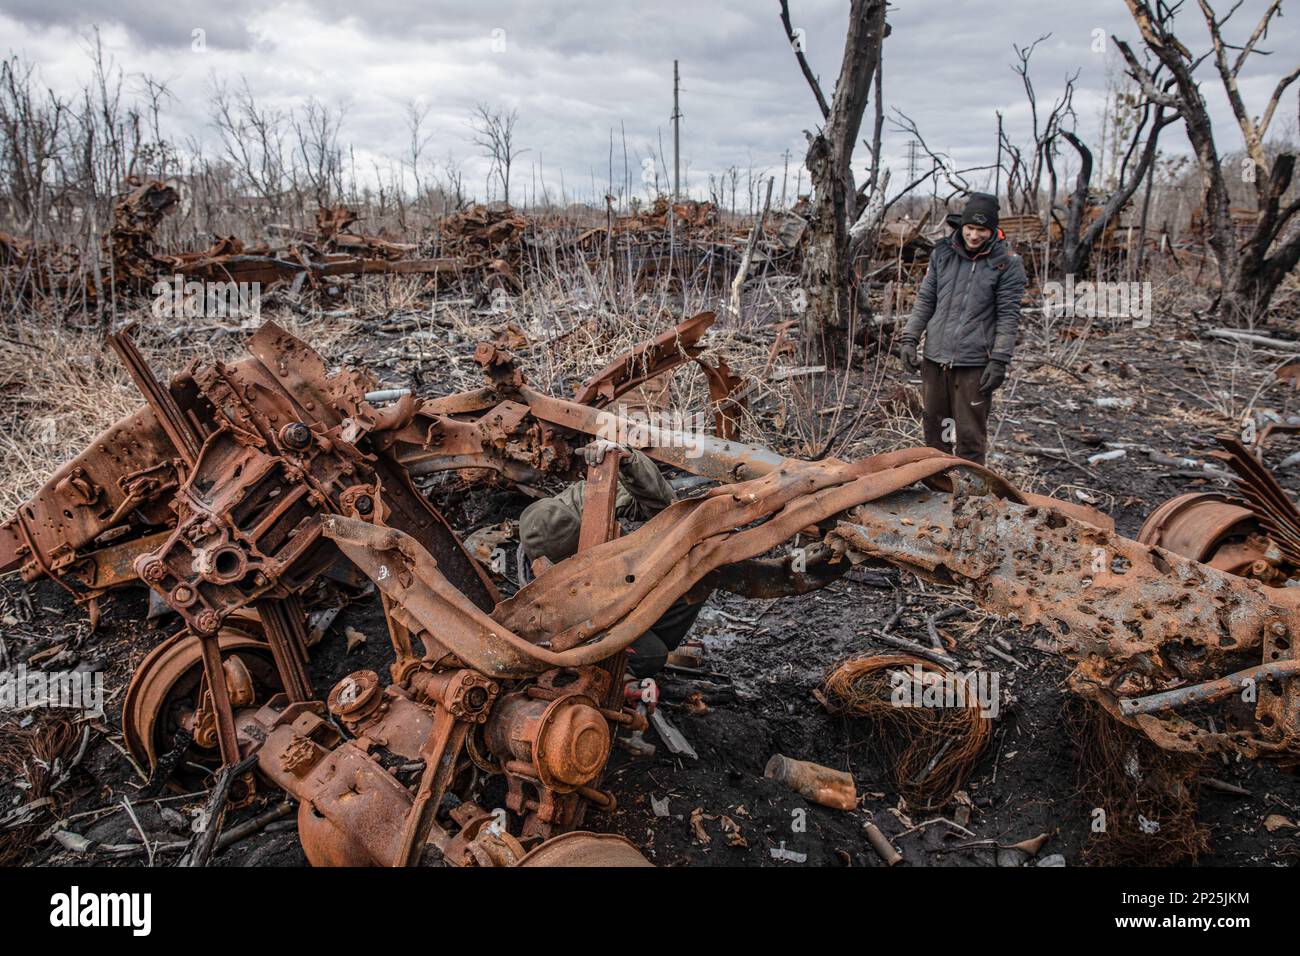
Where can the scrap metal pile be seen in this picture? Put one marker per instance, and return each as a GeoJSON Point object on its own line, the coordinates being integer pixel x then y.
{"type": "Point", "coordinates": [131, 261]}
{"type": "Point", "coordinates": [237, 487]}
{"type": "Point", "coordinates": [689, 240]}
{"type": "Point", "coordinates": [479, 248]}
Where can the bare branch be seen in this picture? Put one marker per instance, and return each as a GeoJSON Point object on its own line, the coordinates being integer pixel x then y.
{"type": "Point", "coordinates": [803, 61]}
{"type": "Point", "coordinates": [1261, 30]}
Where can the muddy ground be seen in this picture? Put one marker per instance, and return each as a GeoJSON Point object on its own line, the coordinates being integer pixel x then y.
{"type": "Point", "coordinates": [769, 657]}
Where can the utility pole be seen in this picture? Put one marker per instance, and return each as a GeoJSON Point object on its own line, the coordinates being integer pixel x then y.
{"type": "Point", "coordinates": [677, 139]}
{"type": "Point", "coordinates": [785, 176]}
{"type": "Point", "coordinates": [997, 174]}
{"type": "Point", "coordinates": [911, 169]}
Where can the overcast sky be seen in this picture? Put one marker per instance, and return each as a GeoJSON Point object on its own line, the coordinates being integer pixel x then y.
{"type": "Point", "coordinates": [575, 70]}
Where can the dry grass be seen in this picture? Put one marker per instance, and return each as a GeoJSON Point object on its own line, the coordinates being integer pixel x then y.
{"type": "Point", "coordinates": [61, 385]}
{"type": "Point", "coordinates": [34, 755]}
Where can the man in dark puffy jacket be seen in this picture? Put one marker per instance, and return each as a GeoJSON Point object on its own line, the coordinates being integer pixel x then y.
{"type": "Point", "coordinates": [969, 310]}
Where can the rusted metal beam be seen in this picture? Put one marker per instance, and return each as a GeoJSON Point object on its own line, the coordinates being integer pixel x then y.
{"type": "Point", "coordinates": [644, 362]}
{"type": "Point", "coordinates": [598, 522]}
{"type": "Point", "coordinates": [1132, 617]}
{"type": "Point", "coordinates": [1209, 691]}
{"type": "Point", "coordinates": [182, 434]}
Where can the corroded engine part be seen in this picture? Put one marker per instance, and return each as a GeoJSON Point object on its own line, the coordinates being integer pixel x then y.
{"type": "Point", "coordinates": [550, 739]}
{"type": "Point", "coordinates": [562, 743]}
{"type": "Point", "coordinates": [281, 441]}
{"type": "Point", "coordinates": [351, 810]}
{"type": "Point", "coordinates": [166, 693]}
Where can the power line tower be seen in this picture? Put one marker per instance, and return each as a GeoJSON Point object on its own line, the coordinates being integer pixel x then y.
{"type": "Point", "coordinates": [677, 137]}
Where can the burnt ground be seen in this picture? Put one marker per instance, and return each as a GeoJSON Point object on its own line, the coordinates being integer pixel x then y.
{"type": "Point", "coordinates": [767, 658]}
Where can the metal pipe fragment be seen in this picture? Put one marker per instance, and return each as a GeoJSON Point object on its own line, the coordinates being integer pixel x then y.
{"type": "Point", "coordinates": [830, 788]}
{"type": "Point", "coordinates": [880, 843]}
{"type": "Point", "coordinates": [1210, 690]}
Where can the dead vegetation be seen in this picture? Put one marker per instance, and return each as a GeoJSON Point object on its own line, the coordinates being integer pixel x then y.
{"type": "Point", "coordinates": [38, 755]}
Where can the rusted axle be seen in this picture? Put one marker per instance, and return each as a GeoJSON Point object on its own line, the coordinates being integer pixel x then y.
{"type": "Point", "coordinates": [1208, 691]}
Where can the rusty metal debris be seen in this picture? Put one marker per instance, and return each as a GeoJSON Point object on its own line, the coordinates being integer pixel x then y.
{"type": "Point", "coordinates": [132, 262]}
{"type": "Point", "coordinates": [136, 216]}
{"type": "Point", "coordinates": [237, 487]}
{"type": "Point", "coordinates": [479, 249]}
{"type": "Point", "coordinates": [1135, 619]}
{"type": "Point", "coordinates": [831, 788]}
{"type": "Point", "coordinates": [1254, 534]}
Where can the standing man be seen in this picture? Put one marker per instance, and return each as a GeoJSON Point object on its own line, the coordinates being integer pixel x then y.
{"type": "Point", "coordinates": [969, 309]}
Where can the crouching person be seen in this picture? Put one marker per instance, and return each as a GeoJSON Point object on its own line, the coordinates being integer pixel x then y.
{"type": "Point", "coordinates": [549, 529]}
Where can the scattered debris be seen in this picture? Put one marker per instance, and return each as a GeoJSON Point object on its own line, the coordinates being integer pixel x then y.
{"type": "Point", "coordinates": [779, 852]}
{"type": "Point", "coordinates": [732, 829]}
{"type": "Point", "coordinates": [354, 638]}
{"type": "Point", "coordinates": [240, 485]}
{"type": "Point", "coordinates": [880, 843]}
{"type": "Point", "coordinates": [698, 817]}
{"type": "Point", "coordinates": [831, 788]}
{"type": "Point", "coordinates": [673, 738]}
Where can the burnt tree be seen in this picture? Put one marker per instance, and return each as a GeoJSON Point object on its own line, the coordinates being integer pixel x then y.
{"type": "Point", "coordinates": [1079, 237]}
{"type": "Point", "coordinates": [825, 276]}
{"type": "Point", "coordinates": [1249, 271]}
{"type": "Point", "coordinates": [1082, 222]}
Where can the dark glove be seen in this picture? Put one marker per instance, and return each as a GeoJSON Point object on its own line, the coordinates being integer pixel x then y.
{"type": "Point", "coordinates": [910, 359]}
{"type": "Point", "coordinates": [995, 373]}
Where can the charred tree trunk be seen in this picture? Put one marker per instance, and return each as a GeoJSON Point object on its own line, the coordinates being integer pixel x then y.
{"type": "Point", "coordinates": [824, 276]}
{"type": "Point", "coordinates": [1074, 254]}
{"type": "Point", "coordinates": [1259, 273]}
{"type": "Point", "coordinates": [1249, 273]}
{"type": "Point", "coordinates": [826, 272]}
{"type": "Point", "coordinates": [1078, 242]}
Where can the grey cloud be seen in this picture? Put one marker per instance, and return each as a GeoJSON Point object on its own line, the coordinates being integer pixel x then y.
{"type": "Point", "coordinates": [577, 70]}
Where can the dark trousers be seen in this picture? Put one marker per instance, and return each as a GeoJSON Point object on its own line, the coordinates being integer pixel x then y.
{"type": "Point", "coordinates": [956, 411]}
{"type": "Point", "coordinates": [649, 652]}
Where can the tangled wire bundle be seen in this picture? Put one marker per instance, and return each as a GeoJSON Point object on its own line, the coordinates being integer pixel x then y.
{"type": "Point", "coordinates": [930, 749]}
{"type": "Point", "coordinates": [1147, 797]}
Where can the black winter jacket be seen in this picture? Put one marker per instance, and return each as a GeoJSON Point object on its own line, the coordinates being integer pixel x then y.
{"type": "Point", "coordinates": [968, 305]}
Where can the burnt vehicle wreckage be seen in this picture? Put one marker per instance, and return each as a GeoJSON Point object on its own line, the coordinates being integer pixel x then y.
{"type": "Point", "coordinates": [237, 487]}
